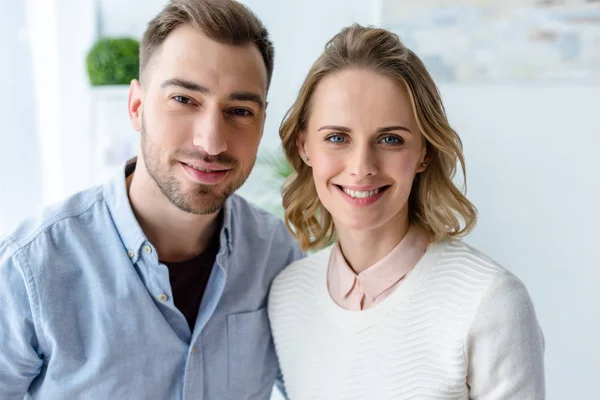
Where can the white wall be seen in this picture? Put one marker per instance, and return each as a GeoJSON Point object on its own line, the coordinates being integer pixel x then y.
{"type": "Point", "coordinates": [76, 32]}
{"type": "Point", "coordinates": [127, 18]}
{"type": "Point", "coordinates": [20, 183]}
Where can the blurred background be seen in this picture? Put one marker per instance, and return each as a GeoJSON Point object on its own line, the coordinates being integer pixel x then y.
{"type": "Point", "coordinates": [520, 81]}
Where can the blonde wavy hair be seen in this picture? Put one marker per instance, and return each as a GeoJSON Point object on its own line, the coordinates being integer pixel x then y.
{"type": "Point", "coordinates": [435, 202]}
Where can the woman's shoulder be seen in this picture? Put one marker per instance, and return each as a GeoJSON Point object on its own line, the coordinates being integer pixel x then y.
{"type": "Point", "coordinates": [297, 285]}
{"type": "Point", "coordinates": [475, 269]}
{"type": "Point", "coordinates": [309, 267]}
{"type": "Point", "coordinates": [457, 254]}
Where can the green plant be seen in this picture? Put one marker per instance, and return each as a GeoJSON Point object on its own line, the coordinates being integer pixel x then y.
{"type": "Point", "coordinates": [276, 163]}
{"type": "Point", "coordinates": [272, 169]}
{"type": "Point", "coordinates": [113, 61]}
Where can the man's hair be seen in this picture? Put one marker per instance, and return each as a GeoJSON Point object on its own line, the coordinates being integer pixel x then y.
{"type": "Point", "coordinates": [224, 21]}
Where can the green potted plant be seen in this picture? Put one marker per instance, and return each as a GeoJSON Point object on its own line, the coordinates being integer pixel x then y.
{"type": "Point", "coordinates": [113, 61]}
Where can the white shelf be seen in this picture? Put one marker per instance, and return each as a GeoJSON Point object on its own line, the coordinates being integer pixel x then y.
{"type": "Point", "coordinates": [113, 139]}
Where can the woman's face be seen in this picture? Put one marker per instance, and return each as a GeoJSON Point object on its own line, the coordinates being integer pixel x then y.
{"type": "Point", "coordinates": [364, 148]}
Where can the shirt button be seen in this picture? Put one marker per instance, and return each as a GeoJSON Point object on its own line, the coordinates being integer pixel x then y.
{"type": "Point", "coordinates": [163, 297]}
{"type": "Point", "coordinates": [193, 349]}
{"type": "Point", "coordinates": [130, 253]}
{"type": "Point", "coordinates": [147, 249]}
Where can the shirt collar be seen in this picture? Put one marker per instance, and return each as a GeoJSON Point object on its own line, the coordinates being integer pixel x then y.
{"type": "Point", "coordinates": [132, 235]}
{"type": "Point", "coordinates": [227, 230]}
{"type": "Point", "coordinates": [383, 274]}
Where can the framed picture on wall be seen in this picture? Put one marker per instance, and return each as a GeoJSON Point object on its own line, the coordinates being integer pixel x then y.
{"type": "Point", "coordinates": [479, 41]}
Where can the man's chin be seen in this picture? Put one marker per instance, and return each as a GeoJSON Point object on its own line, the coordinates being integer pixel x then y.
{"type": "Point", "coordinates": [201, 203]}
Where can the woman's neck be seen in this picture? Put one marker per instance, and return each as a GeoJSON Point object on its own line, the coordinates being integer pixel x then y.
{"type": "Point", "coordinates": [364, 248]}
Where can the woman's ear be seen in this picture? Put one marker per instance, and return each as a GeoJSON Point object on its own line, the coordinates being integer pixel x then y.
{"type": "Point", "coordinates": [424, 159]}
{"type": "Point", "coordinates": [301, 144]}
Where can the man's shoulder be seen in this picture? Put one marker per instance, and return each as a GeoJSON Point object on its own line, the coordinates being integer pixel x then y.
{"type": "Point", "coordinates": [250, 219]}
{"type": "Point", "coordinates": [240, 207]}
{"type": "Point", "coordinates": [257, 228]}
{"type": "Point", "coordinates": [67, 211]}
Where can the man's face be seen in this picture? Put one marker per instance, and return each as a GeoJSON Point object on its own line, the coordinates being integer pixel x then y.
{"type": "Point", "coordinates": [201, 115]}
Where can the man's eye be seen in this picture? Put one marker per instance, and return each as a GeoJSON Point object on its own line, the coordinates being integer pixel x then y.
{"type": "Point", "coordinates": [182, 99]}
{"type": "Point", "coordinates": [240, 112]}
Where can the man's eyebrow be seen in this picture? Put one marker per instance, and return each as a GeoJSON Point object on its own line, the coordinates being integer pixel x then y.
{"type": "Point", "coordinates": [248, 96]}
{"type": "Point", "coordinates": [185, 84]}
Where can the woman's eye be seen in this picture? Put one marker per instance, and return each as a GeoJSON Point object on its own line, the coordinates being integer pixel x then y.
{"type": "Point", "coordinates": [392, 140]}
{"type": "Point", "coordinates": [183, 99]}
{"type": "Point", "coordinates": [336, 139]}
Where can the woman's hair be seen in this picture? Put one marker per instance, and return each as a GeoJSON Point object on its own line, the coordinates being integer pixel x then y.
{"type": "Point", "coordinates": [435, 202]}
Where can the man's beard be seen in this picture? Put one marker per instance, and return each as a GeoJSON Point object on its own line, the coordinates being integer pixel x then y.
{"type": "Point", "coordinates": [199, 199]}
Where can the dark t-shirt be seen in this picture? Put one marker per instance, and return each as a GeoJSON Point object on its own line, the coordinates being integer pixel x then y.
{"type": "Point", "coordinates": [189, 278]}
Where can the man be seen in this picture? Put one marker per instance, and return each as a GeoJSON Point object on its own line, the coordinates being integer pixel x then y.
{"type": "Point", "coordinates": [154, 286]}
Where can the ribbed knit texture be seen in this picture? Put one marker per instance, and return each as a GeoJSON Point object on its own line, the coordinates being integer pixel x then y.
{"type": "Point", "coordinates": [417, 343]}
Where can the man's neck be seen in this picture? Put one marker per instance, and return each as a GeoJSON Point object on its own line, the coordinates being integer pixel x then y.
{"type": "Point", "coordinates": [177, 235]}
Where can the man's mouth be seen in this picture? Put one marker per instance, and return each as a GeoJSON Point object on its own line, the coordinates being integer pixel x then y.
{"type": "Point", "coordinates": [204, 169]}
{"type": "Point", "coordinates": [207, 174]}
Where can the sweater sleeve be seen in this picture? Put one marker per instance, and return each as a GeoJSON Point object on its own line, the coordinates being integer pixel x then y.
{"type": "Point", "coordinates": [505, 345]}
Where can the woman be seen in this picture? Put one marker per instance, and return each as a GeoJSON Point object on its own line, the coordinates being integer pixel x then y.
{"type": "Point", "coordinates": [398, 307]}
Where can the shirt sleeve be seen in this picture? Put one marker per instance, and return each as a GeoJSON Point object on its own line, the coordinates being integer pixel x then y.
{"type": "Point", "coordinates": [19, 359]}
{"type": "Point", "coordinates": [505, 345]}
{"type": "Point", "coordinates": [294, 253]}
{"type": "Point", "coordinates": [280, 385]}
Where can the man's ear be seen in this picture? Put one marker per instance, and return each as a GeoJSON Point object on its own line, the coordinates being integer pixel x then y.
{"type": "Point", "coordinates": [134, 104]}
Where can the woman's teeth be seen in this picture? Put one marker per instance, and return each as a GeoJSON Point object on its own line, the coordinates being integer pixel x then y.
{"type": "Point", "coordinates": [361, 195]}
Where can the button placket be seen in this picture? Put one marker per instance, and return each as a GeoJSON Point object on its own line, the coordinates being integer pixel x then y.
{"type": "Point", "coordinates": [163, 298]}
{"type": "Point", "coordinates": [148, 261]}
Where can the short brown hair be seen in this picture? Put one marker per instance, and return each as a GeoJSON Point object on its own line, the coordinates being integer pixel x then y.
{"type": "Point", "coordinates": [225, 21]}
{"type": "Point", "coordinates": [435, 203]}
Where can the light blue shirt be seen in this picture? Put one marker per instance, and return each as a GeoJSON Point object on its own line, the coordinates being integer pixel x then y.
{"type": "Point", "coordinates": [86, 309]}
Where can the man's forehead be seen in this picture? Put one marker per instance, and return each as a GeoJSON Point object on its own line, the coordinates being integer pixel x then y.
{"type": "Point", "coordinates": [188, 54]}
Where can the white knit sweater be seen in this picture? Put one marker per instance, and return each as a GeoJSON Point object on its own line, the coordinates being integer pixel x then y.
{"type": "Point", "coordinates": [458, 327]}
